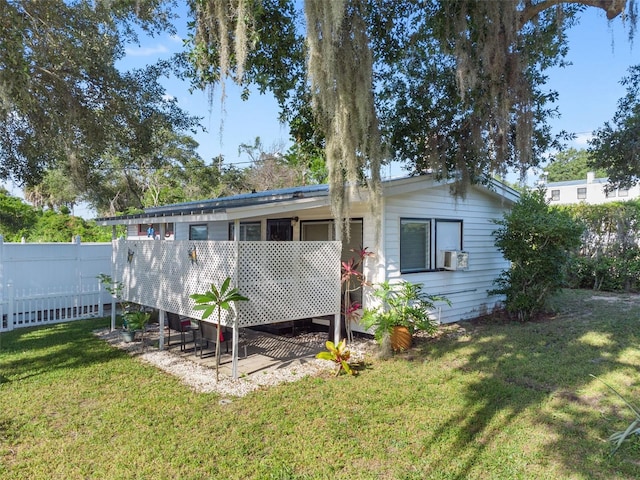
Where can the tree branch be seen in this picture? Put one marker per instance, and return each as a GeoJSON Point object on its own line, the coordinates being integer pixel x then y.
{"type": "Point", "coordinates": [612, 7]}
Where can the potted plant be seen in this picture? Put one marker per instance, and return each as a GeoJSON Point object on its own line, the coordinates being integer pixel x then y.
{"type": "Point", "coordinates": [132, 322]}
{"type": "Point", "coordinates": [402, 311]}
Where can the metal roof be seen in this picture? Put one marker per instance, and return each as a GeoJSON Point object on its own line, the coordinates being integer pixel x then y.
{"type": "Point", "coordinates": [568, 183]}
{"type": "Point", "coordinates": [224, 203]}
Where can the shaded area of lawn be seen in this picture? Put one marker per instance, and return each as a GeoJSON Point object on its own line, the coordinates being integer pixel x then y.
{"type": "Point", "coordinates": [540, 371]}
{"type": "Point", "coordinates": [501, 401]}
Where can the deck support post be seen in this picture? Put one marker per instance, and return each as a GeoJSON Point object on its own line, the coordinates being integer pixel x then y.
{"type": "Point", "coordinates": [161, 323]}
{"type": "Point", "coordinates": [234, 344]}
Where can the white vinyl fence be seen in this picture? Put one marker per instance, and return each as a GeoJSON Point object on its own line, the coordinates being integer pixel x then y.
{"type": "Point", "coordinates": [46, 283]}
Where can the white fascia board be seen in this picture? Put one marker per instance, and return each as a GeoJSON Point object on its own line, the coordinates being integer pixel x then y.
{"type": "Point", "coordinates": [190, 218]}
{"type": "Point", "coordinates": [411, 184]}
{"type": "Point", "coordinates": [277, 208]}
{"type": "Point", "coordinates": [405, 185]}
{"type": "Point", "coordinates": [237, 213]}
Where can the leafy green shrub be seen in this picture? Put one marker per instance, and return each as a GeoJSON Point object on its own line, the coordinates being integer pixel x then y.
{"type": "Point", "coordinates": [609, 258]}
{"type": "Point", "coordinates": [536, 240]}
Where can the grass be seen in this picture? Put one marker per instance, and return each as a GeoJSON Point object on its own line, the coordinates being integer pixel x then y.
{"type": "Point", "coordinates": [499, 401]}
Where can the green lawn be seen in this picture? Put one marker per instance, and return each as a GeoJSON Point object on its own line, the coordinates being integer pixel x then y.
{"type": "Point", "coordinates": [504, 401]}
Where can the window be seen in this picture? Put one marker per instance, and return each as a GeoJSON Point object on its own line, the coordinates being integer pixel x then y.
{"type": "Point", "coordinates": [582, 193]}
{"type": "Point", "coordinates": [317, 230]}
{"type": "Point", "coordinates": [423, 242]}
{"type": "Point", "coordinates": [323, 230]}
{"type": "Point", "coordinates": [623, 192]}
{"type": "Point", "coordinates": [555, 195]}
{"type": "Point", "coordinates": [415, 245]}
{"type": "Point", "coordinates": [279, 229]}
{"type": "Point", "coordinates": [143, 229]}
{"type": "Point", "coordinates": [249, 231]}
{"type": "Point", "coordinates": [198, 232]}
{"type": "Point", "coordinates": [609, 193]}
{"type": "Point", "coordinates": [448, 238]}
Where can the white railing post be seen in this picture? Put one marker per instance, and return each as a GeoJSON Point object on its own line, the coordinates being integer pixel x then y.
{"type": "Point", "coordinates": [234, 343]}
{"type": "Point", "coordinates": [10, 305]}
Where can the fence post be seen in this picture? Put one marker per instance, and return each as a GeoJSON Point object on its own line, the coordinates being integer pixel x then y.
{"type": "Point", "coordinates": [10, 304]}
{"type": "Point", "coordinates": [80, 298]}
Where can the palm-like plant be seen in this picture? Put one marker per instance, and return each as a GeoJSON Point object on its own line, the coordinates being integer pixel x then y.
{"type": "Point", "coordinates": [617, 438]}
{"type": "Point", "coordinates": [217, 299]}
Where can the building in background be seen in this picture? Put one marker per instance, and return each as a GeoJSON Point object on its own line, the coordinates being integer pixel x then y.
{"type": "Point", "coordinates": [591, 190]}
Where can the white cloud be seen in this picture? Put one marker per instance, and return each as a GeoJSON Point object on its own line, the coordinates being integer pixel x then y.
{"type": "Point", "coordinates": [147, 51]}
{"type": "Point", "coordinates": [582, 139]}
{"type": "Point", "coordinates": [168, 98]}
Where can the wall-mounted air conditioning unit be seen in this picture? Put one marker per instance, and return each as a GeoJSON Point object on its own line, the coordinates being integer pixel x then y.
{"type": "Point", "coordinates": [456, 260]}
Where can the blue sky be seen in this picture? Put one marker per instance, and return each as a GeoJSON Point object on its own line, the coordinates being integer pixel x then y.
{"type": "Point", "coordinates": [240, 122]}
{"type": "Point", "coordinates": [590, 88]}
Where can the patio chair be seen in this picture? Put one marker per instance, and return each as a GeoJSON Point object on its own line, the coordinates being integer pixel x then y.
{"type": "Point", "coordinates": [182, 325]}
{"type": "Point", "coordinates": [207, 333]}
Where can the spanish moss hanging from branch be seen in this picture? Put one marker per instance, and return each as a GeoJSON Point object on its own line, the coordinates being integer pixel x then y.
{"type": "Point", "coordinates": [340, 73]}
{"type": "Point", "coordinates": [223, 29]}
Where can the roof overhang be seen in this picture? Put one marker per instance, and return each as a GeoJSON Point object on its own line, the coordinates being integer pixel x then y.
{"type": "Point", "coordinates": [279, 208]}
{"type": "Point", "coordinates": [288, 201]}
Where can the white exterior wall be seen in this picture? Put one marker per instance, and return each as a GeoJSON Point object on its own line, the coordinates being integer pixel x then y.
{"type": "Point", "coordinates": [467, 290]}
{"type": "Point", "coordinates": [595, 192]}
{"type": "Point", "coordinates": [217, 231]}
{"type": "Point", "coordinates": [419, 198]}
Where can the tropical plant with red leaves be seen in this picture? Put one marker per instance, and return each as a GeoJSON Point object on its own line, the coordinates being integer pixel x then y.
{"type": "Point", "coordinates": [337, 354]}
{"type": "Point", "coordinates": [353, 279]}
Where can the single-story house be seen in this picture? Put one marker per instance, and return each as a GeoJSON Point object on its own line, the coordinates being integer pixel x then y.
{"type": "Point", "coordinates": [427, 235]}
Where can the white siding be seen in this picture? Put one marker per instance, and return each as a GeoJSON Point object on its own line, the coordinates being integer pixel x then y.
{"type": "Point", "coordinates": [217, 231]}
{"type": "Point", "coordinates": [566, 193]}
{"type": "Point", "coordinates": [467, 290]}
{"type": "Point", "coordinates": [411, 198]}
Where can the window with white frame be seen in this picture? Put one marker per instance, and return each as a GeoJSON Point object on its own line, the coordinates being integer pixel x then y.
{"type": "Point", "coordinates": [143, 229]}
{"type": "Point", "coordinates": [582, 193]}
{"type": "Point", "coordinates": [623, 192]}
{"type": "Point", "coordinates": [198, 232]}
{"type": "Point", "coordinates": [249, 231]}
{"type": "Point", "coordinates": [555, 195]}
{"type": "Point", "coordinates": [423, 242]}
{"type": "Point", "coordinates": [415, 245]}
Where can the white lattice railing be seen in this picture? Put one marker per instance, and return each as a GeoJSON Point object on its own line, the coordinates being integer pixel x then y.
{"type": "Point", "coordinates": [283, 280]}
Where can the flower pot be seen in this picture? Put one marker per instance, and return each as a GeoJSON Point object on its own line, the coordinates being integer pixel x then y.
{"type": "Point", "coordinates": [128, 335]}
{"type": "Point", "coordinates": [400, 339]}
